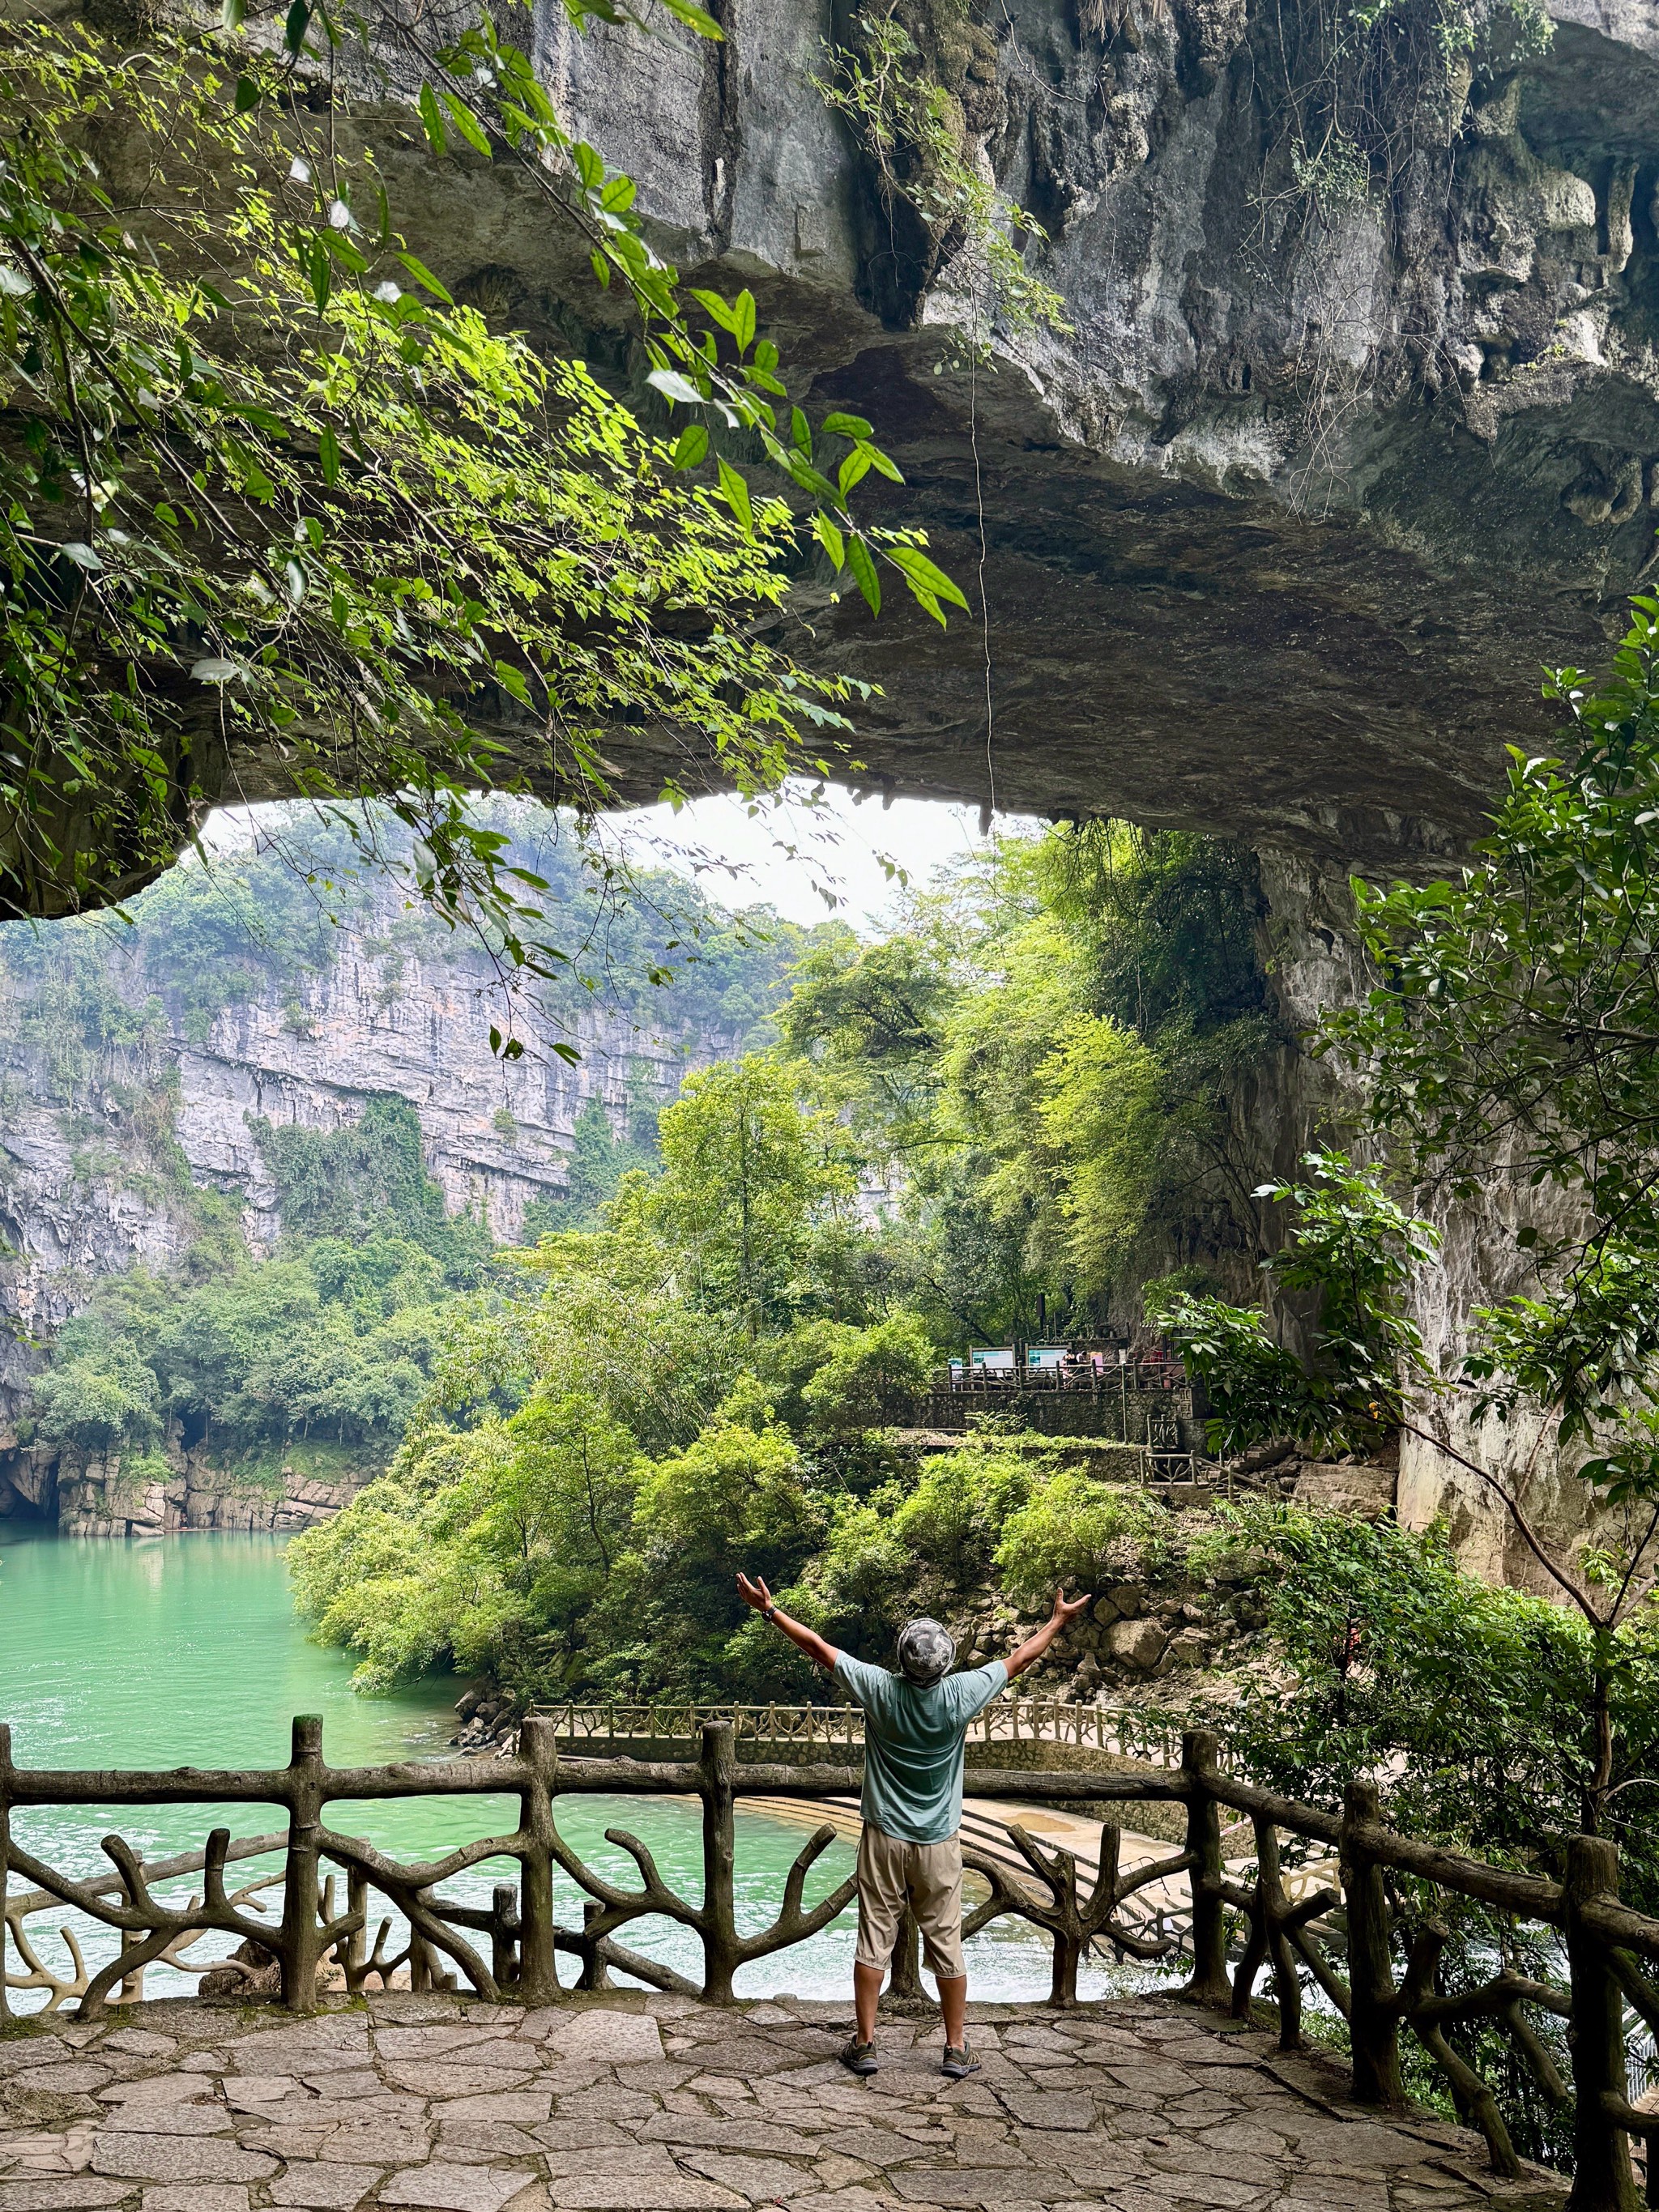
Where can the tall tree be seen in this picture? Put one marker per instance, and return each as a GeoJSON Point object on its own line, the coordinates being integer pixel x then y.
{"type": "Point", "coordinates": [745, 1170]}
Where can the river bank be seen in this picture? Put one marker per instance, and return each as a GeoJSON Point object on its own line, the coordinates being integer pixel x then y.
{"type": "Point", "coordinates": [167, 1493]}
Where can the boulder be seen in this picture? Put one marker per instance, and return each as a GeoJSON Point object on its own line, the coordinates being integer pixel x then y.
{"type": "Point", "coordinates": [1367, 1491]}
{"type": "Point", "coordinates": [1191, 1648]}
{"type": "Point", "coordinates": [1137, 1644]}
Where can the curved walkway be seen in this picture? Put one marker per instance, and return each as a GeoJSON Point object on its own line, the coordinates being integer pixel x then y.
{"type": "Point", "coordinates": [632, 2103]}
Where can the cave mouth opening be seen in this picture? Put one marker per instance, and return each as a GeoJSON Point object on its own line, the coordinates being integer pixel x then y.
{"type": "Point", "coordinates": [19, 1510]}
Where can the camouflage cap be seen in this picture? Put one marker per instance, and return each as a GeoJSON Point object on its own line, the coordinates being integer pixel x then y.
{"type": "Point", "coordinates": [926, 1652]}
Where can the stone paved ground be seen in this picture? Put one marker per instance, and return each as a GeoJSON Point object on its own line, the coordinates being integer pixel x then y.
{"type": "Point", "coordinates": [623, 2104]}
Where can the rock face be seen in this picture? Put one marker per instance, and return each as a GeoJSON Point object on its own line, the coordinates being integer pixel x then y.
{"type": "Point", "coordinates": [92, 1495]}
{"type": "Point", "coordinates": [495, 1133]}
{"type": "Point", "coordinates": [96, 1172]}
{"type": "Point", "coordinates": [102, 1152]}
{"type": "Point", "coordinates": [1351, 423]}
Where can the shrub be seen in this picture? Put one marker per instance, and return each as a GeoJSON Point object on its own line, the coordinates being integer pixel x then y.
{"type": "Point", "coordinates": [1074, 1528]}
{"type": "Point", "coordinates": [953, 1520]}
{"type": "Point", "coordinates": [871, 1378]}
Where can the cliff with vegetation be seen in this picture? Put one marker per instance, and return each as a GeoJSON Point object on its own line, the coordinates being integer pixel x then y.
{"type": "Point", "coordinates": [280, 1047]}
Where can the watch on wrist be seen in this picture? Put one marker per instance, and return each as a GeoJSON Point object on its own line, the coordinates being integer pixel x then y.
{"type": "Point", "coordinates": [769, 1612]}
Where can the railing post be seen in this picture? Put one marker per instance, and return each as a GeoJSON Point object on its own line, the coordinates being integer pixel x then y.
{"type": "Point", "coordinates": [718, 1927]}
{"type": "Point", "coordinates": [354, 1962]}
{"type": "Point", "coordinates": [905, 1979]}
{"type": "Point", "coordinates": [1209, 1984]}
{"type": "Point", "coordinates": [1602, 2179]}
{"type": "Point", "coordinates": [301, 1945]}
{"type": "Point", "coordinates": [1373, 2014]}
{"type": "Point", "coordinates": [505, 1932]}
{"type": "Point", "coordinates": [538, 1974]}
{"type": "Point", "coordinates": [5, 1855]}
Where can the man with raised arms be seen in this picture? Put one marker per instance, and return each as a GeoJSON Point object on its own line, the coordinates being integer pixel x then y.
{"type": "Point", "coordinates": [915, 1721]}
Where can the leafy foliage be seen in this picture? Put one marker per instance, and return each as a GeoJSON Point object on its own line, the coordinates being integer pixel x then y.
{"type": "Point", "coordinates": [1517, 1013]}
{"type": "Point", "coordinates": [1468, 1701]}
{"type": "Point", "coordinates": [745, 1173]}
{"type": "Point", "coordinates": [337, 1340]}
{"type": "Point", "coordinates": [345, 1183]}
{"type": "Point", "coordinates": [253, 429]}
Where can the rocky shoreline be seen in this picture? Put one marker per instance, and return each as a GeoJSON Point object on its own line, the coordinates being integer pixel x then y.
{"type": "Point", "coordinates": [89, 1494]}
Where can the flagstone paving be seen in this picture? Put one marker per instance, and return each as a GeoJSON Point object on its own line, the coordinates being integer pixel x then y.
{"type": "Point", "coordinates": [629, 2104]}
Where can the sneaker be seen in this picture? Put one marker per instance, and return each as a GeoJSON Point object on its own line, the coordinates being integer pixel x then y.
{"type": "Point", "coordinates": [959, 2061]}
{"type": "Point", "coordinates": [860, 2057]}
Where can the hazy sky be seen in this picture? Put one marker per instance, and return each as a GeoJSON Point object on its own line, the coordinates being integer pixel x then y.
{"type": "Point", "coordinates": [788, 856]}
{"type": "Point", "coordinates": [810, 860]}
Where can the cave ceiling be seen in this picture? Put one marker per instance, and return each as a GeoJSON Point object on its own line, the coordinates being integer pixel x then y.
{"type": "Point", "coordinates": [1278, 535]}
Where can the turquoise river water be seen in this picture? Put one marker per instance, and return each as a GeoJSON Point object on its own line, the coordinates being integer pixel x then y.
{"type": "Point", "coordinates": [185, 1652]}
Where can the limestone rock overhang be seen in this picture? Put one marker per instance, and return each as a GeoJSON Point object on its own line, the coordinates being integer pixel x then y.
{"type": "Point", "coordinates": [1275, 537]}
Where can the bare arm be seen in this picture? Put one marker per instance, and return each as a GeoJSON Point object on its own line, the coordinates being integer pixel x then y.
{"type": "Point", "coordinates": [805, 1640]}
{"type": "Point", "coordinates": [1065, 1609]}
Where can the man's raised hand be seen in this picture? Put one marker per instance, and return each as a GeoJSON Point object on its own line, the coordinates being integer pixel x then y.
{"type": "Point", "coordinates": [755, 1593]}
{"type": "Point", "coordinates": [1068, 1608]}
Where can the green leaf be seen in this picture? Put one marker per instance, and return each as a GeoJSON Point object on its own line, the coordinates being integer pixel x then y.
{"type": "Point", "coordinates": [800, 432]}
{"type": "Point", "coordinates": [672, 385]}
{"type": "Point", "coordinates": [247, 94]}
{"type": "Point", "coordinates": [737, 495]}
{"type": "Point", "coordinates": [831, 540]}
{"type": "Point", "coordinates": [852, 469]}
{"type": "Point", "coordinates": [716, 309]}
{"type": "Point", "coordinates": [321, 271]}
{"type": "Point", "coordinates": [692, 445]}
{"type": "Point", "coordinates": [845, 425]}
{"type": "Point", "coordinates": [231, 15]}
{"type": "Point", "coordinates": [328, 453]}
{"type": "Point", "coordinates": [424, 277]}
{"type": "Point", "coordinates": [299, 21]}
{"type": "Point", "coordinates": [864, 571]}
{"type": "Point", "coordinates": [687, 12]}
{"type": "Point", "coordinates": [432, 120]}
{"type": "Point", "coordinates": [924, 575]}
{"type": "Point", "coordinates": [743, 324]}
{"type": "Point", "coordinates": [505, 1048]}
{"type": "Point", "coordinates": [464, 121]}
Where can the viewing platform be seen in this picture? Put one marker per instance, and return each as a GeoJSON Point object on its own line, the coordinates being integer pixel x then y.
{"type": "Point", "coordinates": [651, 2103]}
{"type": "Point", "coordinates": [430, 2051]}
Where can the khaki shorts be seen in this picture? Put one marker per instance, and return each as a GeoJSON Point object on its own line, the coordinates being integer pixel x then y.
{"type": "Point", "coordinates": [925, 1876]}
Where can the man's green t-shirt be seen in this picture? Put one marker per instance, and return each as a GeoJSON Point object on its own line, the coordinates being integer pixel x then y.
{"type": "Point", "coordinates": [913, 1746]}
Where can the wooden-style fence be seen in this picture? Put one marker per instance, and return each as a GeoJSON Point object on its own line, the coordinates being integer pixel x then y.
{"type": "Point", "coordinates": [1130, 1731]}
{"type": "Point", "coordinates": [1365, 1937]}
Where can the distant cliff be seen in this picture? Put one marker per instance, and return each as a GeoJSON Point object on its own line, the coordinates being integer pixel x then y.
{"type": "Point", "coordinates": [150, 1070]}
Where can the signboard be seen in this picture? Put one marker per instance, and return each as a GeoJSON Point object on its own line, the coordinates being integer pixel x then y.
{"type": "Point", "coordinates": [993, 1358]}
